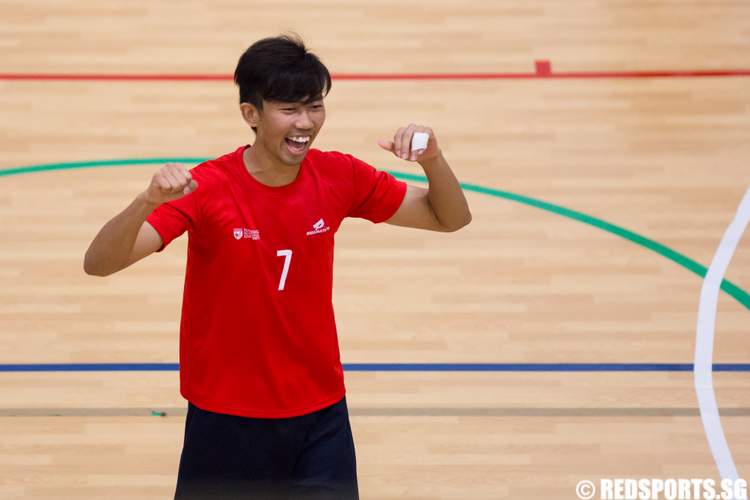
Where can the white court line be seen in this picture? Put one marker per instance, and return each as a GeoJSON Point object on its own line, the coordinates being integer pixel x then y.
{"type": "Point", "coordinates": [704, 342]}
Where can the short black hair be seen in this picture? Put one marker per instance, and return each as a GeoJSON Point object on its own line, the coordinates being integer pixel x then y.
{"type": "Point", "coordinates": [281, 69]}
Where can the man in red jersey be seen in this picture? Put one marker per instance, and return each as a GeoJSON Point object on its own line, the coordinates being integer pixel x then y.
{"type": "Point", "coordinates": [259, 356]}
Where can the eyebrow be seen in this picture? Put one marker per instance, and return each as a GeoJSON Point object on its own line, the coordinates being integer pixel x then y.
{"type": "Point", "coordinates": [307, 102]}
{"type": "Point", "coordinates": [294, 105]}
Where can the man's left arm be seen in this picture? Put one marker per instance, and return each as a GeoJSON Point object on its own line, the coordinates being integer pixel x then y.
{"type": "Point", "coordinates": [441, 207]}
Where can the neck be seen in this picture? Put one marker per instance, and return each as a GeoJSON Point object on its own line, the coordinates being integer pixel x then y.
{"type": "Point", "coordinates": [262, 166]}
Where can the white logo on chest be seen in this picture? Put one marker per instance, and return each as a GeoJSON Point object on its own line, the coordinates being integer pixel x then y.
{"type": "Point", "coordinates": [243, 232]}
{"type": "Point", "coordinates": [319, 227]}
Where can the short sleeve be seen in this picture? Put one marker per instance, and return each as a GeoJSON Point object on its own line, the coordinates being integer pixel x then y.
{"type": "Point", "coordinates": [173, 218]}
{"type": "Point", "coordinates": [376, 195]}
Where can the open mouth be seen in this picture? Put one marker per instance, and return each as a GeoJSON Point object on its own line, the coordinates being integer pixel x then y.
{"type": "Point", "coordinates": [297, 144]}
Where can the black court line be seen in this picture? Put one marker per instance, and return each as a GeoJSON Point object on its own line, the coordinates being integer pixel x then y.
{"type": "Point", "coordinates": [395, 412]}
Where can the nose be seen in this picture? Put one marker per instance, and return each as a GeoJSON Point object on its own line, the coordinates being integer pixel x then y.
{"type": "Point", "coordinates": [304, 122]}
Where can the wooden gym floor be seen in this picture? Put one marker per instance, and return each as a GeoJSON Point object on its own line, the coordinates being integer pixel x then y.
{"type": "Point", "coordinates": [665, 157]}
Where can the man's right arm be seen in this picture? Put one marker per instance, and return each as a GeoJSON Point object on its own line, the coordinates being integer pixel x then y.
{"type": "Point", "coordinates": [127, 238]}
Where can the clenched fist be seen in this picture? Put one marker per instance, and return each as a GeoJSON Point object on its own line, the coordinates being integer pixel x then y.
{"type": "Point", "coordinates": [170, 182]}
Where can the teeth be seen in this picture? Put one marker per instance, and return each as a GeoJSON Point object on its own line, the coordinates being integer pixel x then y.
{"type": "Point", "coordinates": [301, 140]}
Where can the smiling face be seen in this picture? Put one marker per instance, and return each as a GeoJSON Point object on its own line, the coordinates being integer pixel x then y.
{"type": "Point", "coordinates": [285, 131]}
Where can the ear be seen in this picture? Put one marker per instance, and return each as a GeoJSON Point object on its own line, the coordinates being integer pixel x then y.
{"type": "Point", "coordinates": [250, 114]}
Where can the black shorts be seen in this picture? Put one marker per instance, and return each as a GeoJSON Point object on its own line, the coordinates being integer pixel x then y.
{"type": "Point", "coordinates": [306, 457]}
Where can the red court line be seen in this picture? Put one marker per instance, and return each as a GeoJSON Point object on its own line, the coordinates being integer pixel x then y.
{"type": "Point", "coordinates": [543, 71]}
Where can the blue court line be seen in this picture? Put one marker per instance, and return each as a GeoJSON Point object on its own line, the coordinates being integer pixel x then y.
{"type": "Point", "coordinates": [399, 367]}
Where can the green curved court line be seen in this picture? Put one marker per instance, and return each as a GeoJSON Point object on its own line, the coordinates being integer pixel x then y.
{"type": "Point", "coordinates": [730, 288]}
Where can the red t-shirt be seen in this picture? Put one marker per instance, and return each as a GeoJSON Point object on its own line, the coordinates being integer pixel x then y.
{"type": "Point", "coordinates": [258, 335]}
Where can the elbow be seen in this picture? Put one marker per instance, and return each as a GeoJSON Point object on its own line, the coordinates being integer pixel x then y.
{"type": "Point", "coordinates": [90, 267]}
{"type": "Point", "coordinates": [467, 221]}
{"type": "Point", "coordinates": [463, 223]}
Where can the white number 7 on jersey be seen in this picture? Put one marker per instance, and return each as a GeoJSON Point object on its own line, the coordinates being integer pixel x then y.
{"type": "Point", "coordinates": [287, 260]}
